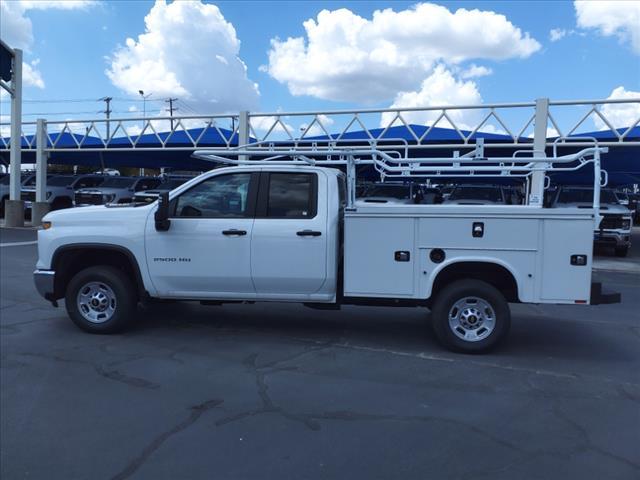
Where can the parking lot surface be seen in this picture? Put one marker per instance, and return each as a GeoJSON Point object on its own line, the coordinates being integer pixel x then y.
{"type": "Point", "coordinates": [281, 391]}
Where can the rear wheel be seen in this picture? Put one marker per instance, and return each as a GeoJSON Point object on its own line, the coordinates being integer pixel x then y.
{"type": "Point", "coordinates": [470, 316]}
{"type": "Point", "coordinates": [622, 251]}
{"type": "Point", "coordinates": [101, 299]}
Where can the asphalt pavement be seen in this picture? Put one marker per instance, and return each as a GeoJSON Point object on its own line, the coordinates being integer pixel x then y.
{"type": "Point", "coordinates": [280, 391]}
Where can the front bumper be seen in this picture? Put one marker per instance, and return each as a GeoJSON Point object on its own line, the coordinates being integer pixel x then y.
{"type": "Point", "coordinates": [45, 280]}
{"type": "Point", "coordinates": [614, 238]}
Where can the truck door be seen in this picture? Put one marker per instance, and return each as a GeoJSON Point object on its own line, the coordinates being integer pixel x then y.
{"type": "Point", "coordinates": [206, 251]}
{"type": "Point", "coordinates": [289, 244]}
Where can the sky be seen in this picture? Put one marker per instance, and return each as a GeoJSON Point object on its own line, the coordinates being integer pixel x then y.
{"type": "Point", "coordinates": [300, 56]}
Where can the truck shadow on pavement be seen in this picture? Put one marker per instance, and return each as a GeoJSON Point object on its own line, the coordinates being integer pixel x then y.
{"type": "Point", "coordinates": [401, 330]}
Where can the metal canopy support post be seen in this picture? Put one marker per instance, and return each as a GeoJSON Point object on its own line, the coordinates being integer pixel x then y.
{"type": "Point", "coordinates": [40, 207]}
{"type": "Point", "coordinates": [14, 208]}
{"type": "Point", "coordinates": [536, 193]}
{"type": "Point", "coordinates": [243, 130]}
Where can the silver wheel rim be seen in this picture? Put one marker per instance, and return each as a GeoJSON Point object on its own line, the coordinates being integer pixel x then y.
{"type": "Point", "coordinates": [96, 302]}
{"type": "Point", "coordinates": [472, 319]}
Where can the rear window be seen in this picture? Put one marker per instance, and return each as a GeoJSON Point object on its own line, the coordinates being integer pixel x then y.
{"type": "Point", "coordinates": [291, 195]}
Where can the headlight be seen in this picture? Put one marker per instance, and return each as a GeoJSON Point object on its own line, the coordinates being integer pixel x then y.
{"type": "Point", "coordinates": [108, 198]}
{"type": "Point", "coordinates": [46, 225]}
{"type": "Point", "coordinates": [626, 223]}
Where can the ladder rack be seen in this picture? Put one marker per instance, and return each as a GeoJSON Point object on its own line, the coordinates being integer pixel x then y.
{"type": "Point", "coordinates": [394, 161]}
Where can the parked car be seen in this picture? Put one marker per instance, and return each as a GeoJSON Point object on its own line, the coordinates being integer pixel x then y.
{"type": "Point", "coordinates": [634, 206]}
{"type": "Point", "coordinates": [391, 192]}
{"type": "Point", "coordinates": [59, 191]}
{"type": "Point", "coordinates": [115, 190]}
{"type": "Point", "coordinates": [169, 182]}
{"type": "Point", "coordinates": [4, 188]}
{"type": "Point", "coordinates": [615, 227]}
{"type": "Point", "coordinates": [477, 194]}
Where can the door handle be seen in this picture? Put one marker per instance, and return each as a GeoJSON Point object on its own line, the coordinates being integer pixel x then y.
{"type": "Point", "coordinates": [308, 233]}
{"type": "Point", "coordinates": [233, 231]}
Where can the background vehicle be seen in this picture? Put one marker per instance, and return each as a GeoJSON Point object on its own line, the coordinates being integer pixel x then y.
{"type": "Point", "coordinates": [115, 189]}
{"type": "Point", "coordinates": [60, 189]}
{"type": "Point", "coordinates": [391, 192]}
{"type": "Point", "coordinates": [169, 182]}
{"type": "Point", "coordinates": [4, 188]}
{"type": "Point", "coordinates": [615, 227]}
{"type": "Point", "coordinates": [477, 194]}
{"type": "Point", "coordinates": [634, 206]}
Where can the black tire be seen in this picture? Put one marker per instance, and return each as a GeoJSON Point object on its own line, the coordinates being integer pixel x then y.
{"type": "Point", "coordinates": [124, 294]}
{"type": "Point", "coordinates": [621, 251]}
{"type": "Point", "coordinates": [457, 291]}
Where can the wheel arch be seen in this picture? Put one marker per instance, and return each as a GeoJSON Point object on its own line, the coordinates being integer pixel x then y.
{"type": "Point", "coordinates": [493, 272]}
{"type": "Point", "coordinates": [68, 260]}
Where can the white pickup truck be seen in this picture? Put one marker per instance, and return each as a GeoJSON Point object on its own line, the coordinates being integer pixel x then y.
{"type": "Point", "coordinates": [290, 233]}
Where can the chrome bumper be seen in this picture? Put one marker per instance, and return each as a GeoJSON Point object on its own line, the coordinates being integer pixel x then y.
{"type": "Point", "coordinates": [44, 280]}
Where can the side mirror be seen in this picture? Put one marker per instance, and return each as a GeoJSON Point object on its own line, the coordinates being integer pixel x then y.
{"type": "Point", "coordinates": [162, 214]}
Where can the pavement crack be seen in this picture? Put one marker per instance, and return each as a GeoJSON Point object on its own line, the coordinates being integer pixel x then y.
{"type": "Point", "coordinates": [196, 412]}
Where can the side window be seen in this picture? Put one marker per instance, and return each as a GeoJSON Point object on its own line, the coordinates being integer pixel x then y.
{"type": "Point", "coordinates": [223, 196]}
{"type": "Point", "coordinates": [292, 195]}
{"type": "Point", "coordinates": [88, 182]}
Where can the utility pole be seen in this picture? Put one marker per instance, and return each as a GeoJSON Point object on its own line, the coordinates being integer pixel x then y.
{"type": "Point", "coordinates": [107, 112]}
{"type": "Point", "coordinates": [171, 108]}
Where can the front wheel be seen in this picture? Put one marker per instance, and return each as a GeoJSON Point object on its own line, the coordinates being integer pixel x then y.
{"type": "Point", "coordinates": [470, 316]}
{"type": "Point", "coordinates": [101, 299]}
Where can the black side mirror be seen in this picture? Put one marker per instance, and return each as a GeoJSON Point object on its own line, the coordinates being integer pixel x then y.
{"type": "Point", "coordinates": [162, 214]}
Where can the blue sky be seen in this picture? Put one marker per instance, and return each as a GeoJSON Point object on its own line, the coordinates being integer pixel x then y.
{"type": "Point", "coordinates": [72, 48]}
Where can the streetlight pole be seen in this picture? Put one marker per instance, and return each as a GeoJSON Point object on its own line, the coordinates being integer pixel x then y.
{"type": "Point", "coordinates": [144, 105]}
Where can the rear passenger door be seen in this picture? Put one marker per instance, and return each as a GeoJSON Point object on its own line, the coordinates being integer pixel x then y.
{"type": "Point", "coordinates": [289, 239]}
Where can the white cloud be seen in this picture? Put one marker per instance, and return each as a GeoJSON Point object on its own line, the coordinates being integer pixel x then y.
{"type": "Point", "coordinates": [321, 126]}
{"type": "Point", "coordinates": [188, 50]}
{"type": "Point", "coordinates": [351, 58]}
{"type": "Point", "coordinates": [619, 18]}
{"type": "Point", "coordinates": [31, 75]}
{"type": "Point", "coordinates": [439, 88]}
{"type": "Point", "coordinates": [620, 115]}
{"type": "Point", "coordinates": [272, 127]}
{"type": "Point", "coordinates": [475, 71]}
{"type": "Point", "coordinates": [557, 34]}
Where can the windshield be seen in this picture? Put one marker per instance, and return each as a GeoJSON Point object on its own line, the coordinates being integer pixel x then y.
{"type": "Point", "coordinates": [490, 194]}
{"type": "Point", "coordinates": [585, 195]}
{"type": "Point", "coordinates": [118, 182]}
{"type": "Point", "coordinates": [395, 191]}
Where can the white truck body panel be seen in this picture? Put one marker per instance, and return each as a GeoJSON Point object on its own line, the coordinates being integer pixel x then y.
{"type": "Point", "coordinates": [533, 244]}
{"type": "Point", "coordinates": [192, 260]}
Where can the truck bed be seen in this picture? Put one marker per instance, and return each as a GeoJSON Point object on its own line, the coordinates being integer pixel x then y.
{"type": "Point", "coordinates": [388, 249]}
